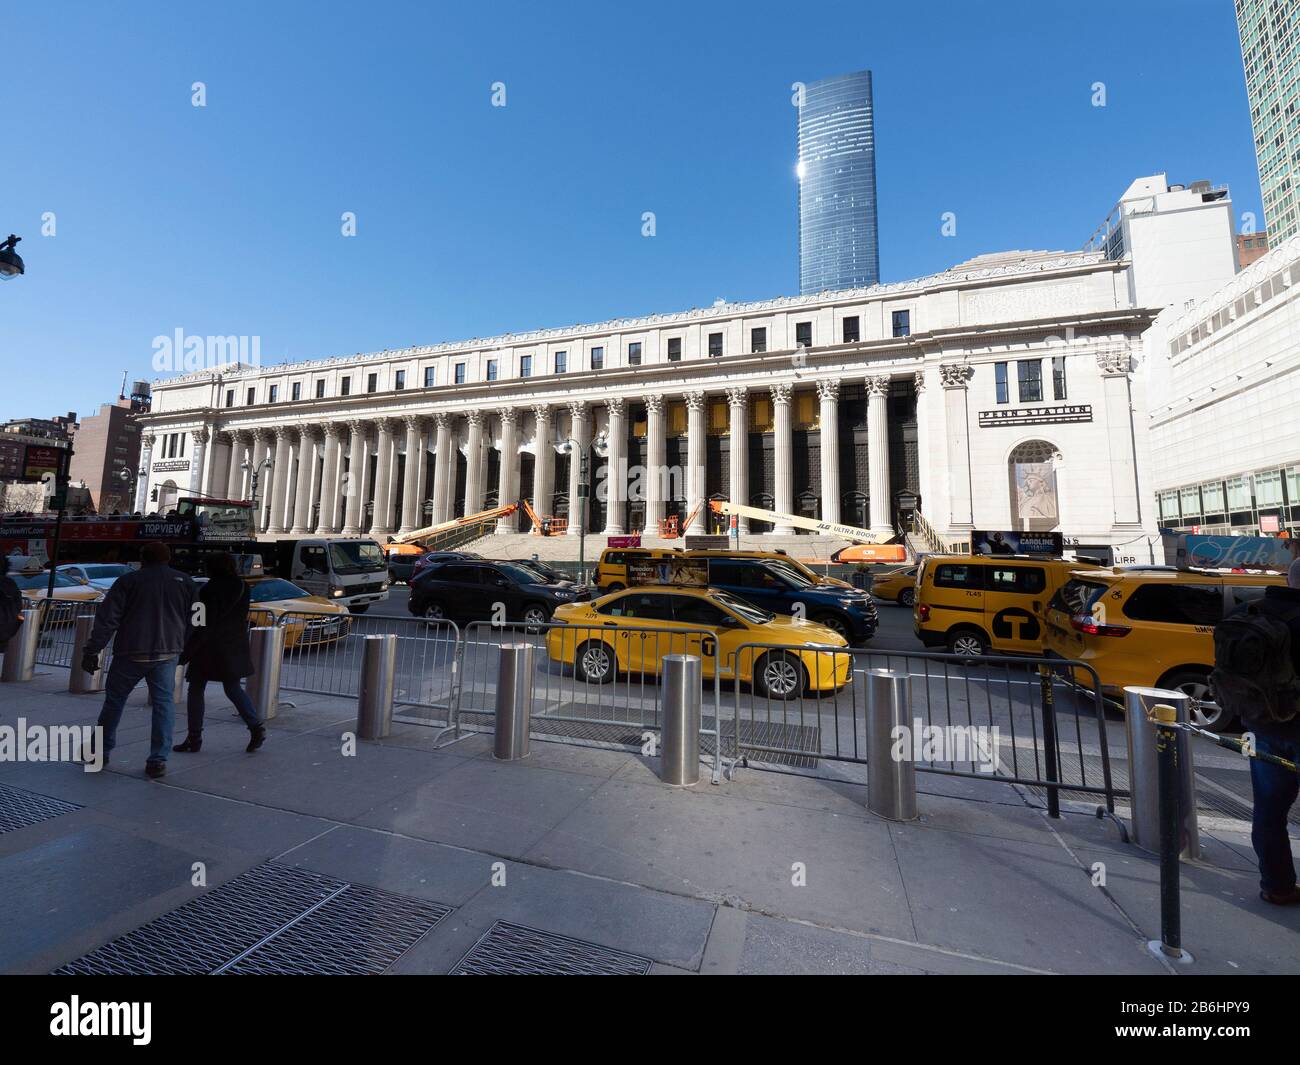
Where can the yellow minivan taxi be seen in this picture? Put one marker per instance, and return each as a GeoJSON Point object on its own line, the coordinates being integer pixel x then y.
{"type": "Point", "coordinates": [802, 568]}
{"type": "Point", "coordinates": [611, 570]}
{"type": "Point", "coordinates": [977, 604]}
{"type": "Point", "coordinates": [1151, 627]}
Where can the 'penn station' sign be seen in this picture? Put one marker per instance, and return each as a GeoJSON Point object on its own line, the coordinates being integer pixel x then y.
{"type": "Point", "coordinates": [1072, 412]}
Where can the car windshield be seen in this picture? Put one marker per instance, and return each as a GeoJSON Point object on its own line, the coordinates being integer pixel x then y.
{"type": "Point", "coordinates": [550, 573]}
{"type": "Point", "coordinates": [792, 575]}
{"type": "Point", "coordinates": [1077, 597]}
{"type": "Point", "coordinates": [275, 588]}
{"type": "Point", "coordinates": [746, 610]}
{"type": "Point", "coordinates": [356, 556]}
{"type": "Point", "coordinates": [520, 574]}
{"type": "Point", "coordinates": [39, 581]}
{"type": "Point", "coordinates": [100, 572]}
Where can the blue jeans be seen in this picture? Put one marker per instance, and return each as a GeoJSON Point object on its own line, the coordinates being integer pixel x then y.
{"type": "Point", "coordinates": [1275, 791]}
{"type": "Point", "coordinates": [234, 692]}
{"type": "Point", "coordinates": [123, 676]}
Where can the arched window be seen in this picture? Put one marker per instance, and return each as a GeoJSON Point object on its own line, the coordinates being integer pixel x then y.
{"type": "Point", "coordinates": [1031, 472]}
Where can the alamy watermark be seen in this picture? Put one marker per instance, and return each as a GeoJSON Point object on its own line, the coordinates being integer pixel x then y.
{"type": "Point", "coordinates": [180, 352]}
{"type": "Point", "coordinates": [23, 742]}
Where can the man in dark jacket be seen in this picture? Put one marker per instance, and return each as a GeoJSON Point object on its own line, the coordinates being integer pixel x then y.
{"type": "Point", "coordinates": [147, 616]}
{"type": "Point", "coordinates": [1275, 787]}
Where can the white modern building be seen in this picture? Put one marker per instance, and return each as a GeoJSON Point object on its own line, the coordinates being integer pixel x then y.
{"type": "Point", "coordinates": [1224, 376]}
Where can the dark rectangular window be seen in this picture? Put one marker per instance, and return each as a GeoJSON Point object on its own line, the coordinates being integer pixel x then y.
{"type": "Point", "coordinates": [1000, 376]}
{"type": "Point", "coordinates": [597, 358]}
{"type": "Point", "coordinates": [274, 394]}
{"type": "Point", "coordinates": [715, 345]}
{"type": "Point", "coordinates": [674, 349]}
{"type": "Point", "coordinates": [902, 321]}
{"type": "Point", "coordinates": [460, 373]}
{"type": "Point", "coordinates": [1029, 373]}
{"type": "Point", "coordinates": [758, 340]}
{"type": "Point", "coordinates": [525, 366]}
{"type": "Point", "coordinates": [1176, 604]}
{"type": "Point", "coordinates": [230, 397]}
{"type": "Point", "coordinates": [430, 376]}
{"type": "Point", "coordinates": [959, 576]}
{"type": "Point", "coordinates": [634, 353]}
{"type": "Point", "coordinates": [372, 382]}
{"type": "Point", "coordinates": [345, 386]}
{"type": "Point", "coordinates": [561, 361]}
{"type": "Point", "coordinates": [320, 388]}
{"type": "Point", "coordinates": [399, 380]}
{"type": "Point", "coordinates": [803, 334]}
{"type": "Point", "coordinates": [852, 332]}
{"type": "Point", "coordinates": [491, 369]}
{"type": "Point", "coordinates": [1058, 377]}
{"type": "Point", "coordinates": [252, 392]}
{"type": "Point", "coordinates": [295, 390]}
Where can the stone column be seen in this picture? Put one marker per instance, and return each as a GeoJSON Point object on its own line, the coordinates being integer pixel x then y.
{"type": "Point", "coordinates": [280, 478]}
{"type": "Point", "coordinates": [327, 521]}
{"type": "Point", "coordinates": [615, 468]}
{"type": "Point", "coordinates": [198, 451]}
{"type": "Point", "coordinates": [444, 469]}
{"type": "Point", "coordinates": [235, 471]}
{"type": "Point", "coordinates": [354, 482]}
{"type": "Point", "coordinates": [261, 445]}
{"type": "Point", "coordinates": [381, 523]}
{"type": "Point", "coordinates": [784, 456]}
{"type": "Point", "coordinates": [955, 377]}
{"type": "Point", "coordinates": [922, 437]}
{"type": "Point", "coordinates": [473, 465]}
{"type": "Point", "coordinates": [507, 474]}
{"type": "Point", "coordinates": [544, 464]}
{"type": "Point", "coordinates": [580, 431]}
{"type": "Point", "coordinates": [147, 442]}
{"type": "Point", "coordinates": [828, 392]}
{"type": "Point", "coordinates": [411, 476]}
{"type": "Point", "coordinates": [1115, 364]}
{"type": "Point", "coordinates": [738, 427]}
{"type": "Point", "coordinates": [656, 460]}
{"type": "Point", "coordinates": [696, 404]}
{"type": "Point", "coordinates": [882, 510]}
{"type": "Point", "coordinates": [302, 523]}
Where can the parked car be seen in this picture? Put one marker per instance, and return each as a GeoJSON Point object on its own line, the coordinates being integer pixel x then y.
{"type": "Point", "coordinates": [896, 587]}
{"type": "Point", "coordinates": [71, 596]}
{"type": "Point", "coordinates": [430, 557]}
{"type": "Point", "coordinates": [469, 589]}
{"type": "Point", "coordinates": [99, 575]}
{"type": "Point", "coordinates": [776, 587]}
{"type": "Point", "coordinates": [608, 636]}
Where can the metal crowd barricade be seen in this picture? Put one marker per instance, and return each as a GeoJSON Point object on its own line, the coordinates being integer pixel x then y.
{"type": "Point", "coordinates": [568, 704]}
{"type": "Point", "coordinates": [59, 629]}
{"type": "Point", "coordinates": [1049, 716]}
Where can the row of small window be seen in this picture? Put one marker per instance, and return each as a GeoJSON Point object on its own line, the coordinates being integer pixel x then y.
{"type": "Point", "coordinates": [1029, 380]}
{"type": "Point", "coordinates": [173, 445]}
{"type": "Point", "coordinates": [1274, 488]}
{"type": "Point", "coordinates": [1260, 294]}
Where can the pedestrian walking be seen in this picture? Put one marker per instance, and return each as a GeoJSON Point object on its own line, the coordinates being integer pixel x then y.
{"type": "Point", "coordinates": [218, 650]}
{"type": "Point", "coordinates": [11, 605]}
{"type": "Point", "coordinates": [146, 614]}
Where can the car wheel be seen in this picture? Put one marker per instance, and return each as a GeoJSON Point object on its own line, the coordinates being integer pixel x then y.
{"type": "Point", "coordinates": [779, 675]}
{"type": "Point", "coordinates": [615, 586]}
{"type": "Point", "coordinates": [907, 598]}
{"type": "Point", "coordinates": [836, 624]}
{"type": "Point", "coordinates": [595, 663]}
{"type": "Point", "coordinates": [535, 616]}
{"type": "Point", "coordinates": [358, 608]}
{"type": "Point", "coordinates": [967, 644]}
{"type": "Point", "coordinates": [434, 612]}
{"type": "Point", "coordinates": [1203, 709]}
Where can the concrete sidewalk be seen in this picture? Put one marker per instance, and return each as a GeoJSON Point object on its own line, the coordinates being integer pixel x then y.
{"type": "Point", "coordinates": [764, 873]}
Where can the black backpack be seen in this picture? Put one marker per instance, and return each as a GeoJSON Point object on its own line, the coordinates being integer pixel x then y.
{"type": "Point", "coordinates": [1254, 673]}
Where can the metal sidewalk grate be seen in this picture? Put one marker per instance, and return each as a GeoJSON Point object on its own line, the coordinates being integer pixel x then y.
{"type": "Point", "coordinates": [19, 808]}
{"type": "Point", "coordinates": [271, 919]}
{"type": "Point", "coordinates": [516, 950]}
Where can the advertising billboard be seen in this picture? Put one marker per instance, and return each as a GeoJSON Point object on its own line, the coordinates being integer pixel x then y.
{"type": "Point", "coordinates": [1006, 542]}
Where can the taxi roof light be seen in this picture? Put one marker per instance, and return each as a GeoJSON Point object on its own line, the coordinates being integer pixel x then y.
{"type": "Point", "coordinates": [1089, 626]}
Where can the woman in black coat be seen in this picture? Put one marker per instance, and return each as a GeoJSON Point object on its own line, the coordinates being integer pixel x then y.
{"type": "Point", "coordinates": [218, 650]}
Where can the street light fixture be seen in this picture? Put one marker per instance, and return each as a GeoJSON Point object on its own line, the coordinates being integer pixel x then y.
{"type": "Point", "coordinates": [257, 469]}
{"type": "Point", "coordinates": [566, 445]}
{"type": "Point", "coordinates": [11, 263]}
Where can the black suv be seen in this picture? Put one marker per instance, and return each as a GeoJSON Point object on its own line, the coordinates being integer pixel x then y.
{"type": "Point", "coordinates": [469, 589]}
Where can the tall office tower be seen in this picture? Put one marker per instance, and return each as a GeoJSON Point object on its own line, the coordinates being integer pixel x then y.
{"type": "Point", "coordinates": [838, 246]}
{"type": "Point", "coordinates": [1268, 30]}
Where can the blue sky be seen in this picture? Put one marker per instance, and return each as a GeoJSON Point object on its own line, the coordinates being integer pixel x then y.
{"type": "Point", "coordinates": [474, 219]}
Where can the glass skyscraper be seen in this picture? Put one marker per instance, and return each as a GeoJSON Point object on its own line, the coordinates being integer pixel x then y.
{"type": "Point", "coordinates": [1270, 36]}
{"type": "Point", "coordinates": [838, 246]}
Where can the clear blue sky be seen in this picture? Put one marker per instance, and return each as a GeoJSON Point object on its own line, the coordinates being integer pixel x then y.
{"type": "Point", "coordinates": [474, 220]}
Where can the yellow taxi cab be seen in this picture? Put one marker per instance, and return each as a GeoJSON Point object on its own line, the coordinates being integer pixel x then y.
{"type": "Point", "coordinates": [802, 568]}
{"type": "Point", "coordinates": [979, 604]}
{"type": "Point", "coordinates": [308, 620]}
{"type": "Point", "coordinates": [611, 570]}
{"type": "Point", "coordinates": [69, 594]}
{"type": "Point", "coordinates": [898, 586]}
{"type": "Point", "coordinates": [630, 632]}
{"type": "Point", "coordinates": [1150, 626]}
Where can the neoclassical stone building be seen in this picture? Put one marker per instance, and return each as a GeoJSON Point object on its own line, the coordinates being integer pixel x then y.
{"type": "Point", "coordinates": [998, 394]}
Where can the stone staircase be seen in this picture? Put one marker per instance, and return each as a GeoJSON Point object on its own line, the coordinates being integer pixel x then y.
{"type": "Point", "coordinates": [565, 548]}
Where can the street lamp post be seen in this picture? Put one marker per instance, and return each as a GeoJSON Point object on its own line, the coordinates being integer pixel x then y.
{"type": "Point", "coordinates": [11, 263]}
{"type": "Point", "coordinates": [566, 445]}
{"type": "Point", "coordinates": [265, 464]}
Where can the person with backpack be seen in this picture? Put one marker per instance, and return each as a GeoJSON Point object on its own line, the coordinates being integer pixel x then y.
{"type": "Point", "coordinates": [11, 605]}
{"type": "Point", "coordinates": [147, 616]}
{"type": "Point", "coordinates": [1257, 677]}
{"type": "Point", "coordinates": [218, 650]}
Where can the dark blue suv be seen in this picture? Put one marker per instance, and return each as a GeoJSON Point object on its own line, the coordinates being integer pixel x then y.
{"type": "Point", "coordinates": [781, 589]}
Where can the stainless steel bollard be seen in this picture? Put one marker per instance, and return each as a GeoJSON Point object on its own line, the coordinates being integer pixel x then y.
{"type": "Point", "coordinates": [891, 782]}
{"type": "Point", "coordinates": [20, 651]}
{"type": "Point", "coordinates": [375, 693]}
{"type": "Point", "coordinates": [263, 687]}
{"type": "Point", "coordinates": [514, 701]}
{"type": "Point", "coordinates": [1144, 772]}
{"type": "Point", "coordinates": [79, 680]}
{"type": "Point", "coordinates": [682, 691]}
